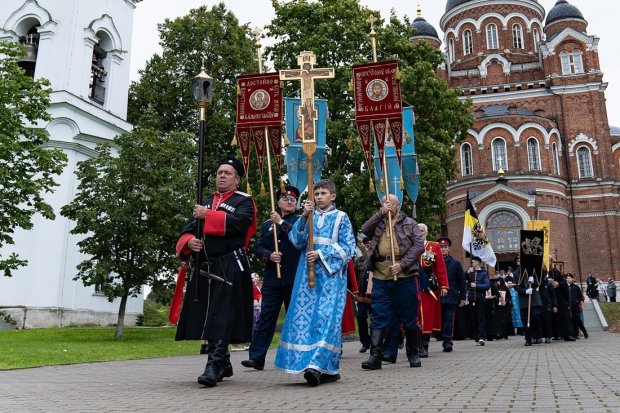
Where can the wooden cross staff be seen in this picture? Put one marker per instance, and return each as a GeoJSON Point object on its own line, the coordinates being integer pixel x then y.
{"type": "Point", "coordinates": [307, 117]}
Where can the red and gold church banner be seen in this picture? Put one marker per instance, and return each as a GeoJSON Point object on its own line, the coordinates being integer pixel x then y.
{"type": "Point", "coordinates": [259, 107]}
{"type": "Point", "coordinates": [378, 105]}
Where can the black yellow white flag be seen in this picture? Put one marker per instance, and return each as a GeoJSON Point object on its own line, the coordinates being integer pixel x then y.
{"type": "Point", "coordinates": [474, 238]}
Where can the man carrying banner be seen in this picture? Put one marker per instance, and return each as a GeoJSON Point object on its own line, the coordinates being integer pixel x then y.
{"type": "Point", "coordinates": [393, 298]}
{"type": "Point", "coordinates": [218, 303]}
{"type": "Point", "coordinates": [529, 272]}
{"type": "Point", "coordinates": [479, 283]}
{"type": "Point", "coordinates": [276, 291]}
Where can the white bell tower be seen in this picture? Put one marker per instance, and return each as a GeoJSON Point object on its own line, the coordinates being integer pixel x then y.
{"type": "Point", "coordinates": [82, 47]}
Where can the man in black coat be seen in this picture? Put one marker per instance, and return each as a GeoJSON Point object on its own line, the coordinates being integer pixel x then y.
{"type": "Point", "coordinates": [529, 297]}
{"type": "Point", "coordinates": [575, 298]}
{"type": "Point", "coordinates": [456, 293]}
{"type": "Point", "coordinates": [219, 310]}
{"type": "Point", "coordinates": [276, 291]}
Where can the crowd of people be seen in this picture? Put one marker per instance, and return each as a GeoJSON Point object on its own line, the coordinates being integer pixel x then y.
{"type": "Point", "coordinates": [406, 288]}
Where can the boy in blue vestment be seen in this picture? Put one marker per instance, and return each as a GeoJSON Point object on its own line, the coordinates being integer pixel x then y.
{"type": "Point", "coordinates": [311, 339]}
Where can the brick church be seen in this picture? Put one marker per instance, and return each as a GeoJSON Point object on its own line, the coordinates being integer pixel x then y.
{"type": "Point", "coordinates": [541, 147]}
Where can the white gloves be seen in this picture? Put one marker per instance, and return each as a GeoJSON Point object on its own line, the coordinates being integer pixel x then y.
{"type": "Point", "coordinates": [530, 280]}
{"type": "Point", "coordinates": [528, 291]}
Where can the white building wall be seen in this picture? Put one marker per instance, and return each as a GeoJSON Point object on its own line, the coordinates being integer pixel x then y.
{"type": "Point", "coordinates": [44, 293]}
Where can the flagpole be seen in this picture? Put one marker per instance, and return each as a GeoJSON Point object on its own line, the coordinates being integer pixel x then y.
{"type": "Point", "coordinates": [373, 41]}
{"type": "Point", "coordinates": [256, 32]}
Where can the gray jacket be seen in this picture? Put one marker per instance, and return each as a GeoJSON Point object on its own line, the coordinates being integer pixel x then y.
{"type": "Point", "coordinates": [410, 240]}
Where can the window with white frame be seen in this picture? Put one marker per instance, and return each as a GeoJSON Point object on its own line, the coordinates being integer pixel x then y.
{"type": "Point", "coordinates": [533, 154]}
{"type": "Point", "coordinates": [499, 154]}
{"type": "Point", "coordinates": [467, 167]}
{"type": "Point", "coordinates": [577, 62]}
{"type": "Point", "coordinates": [517, 36]}
{"type": "Point", "coordinates": [468, 45]}
{"type": "Point", "coordinates": [556, 158]}
{"type": "Point", "coordinates": [451, 50]}
{"type": "Point", "coordinates": [492, 42]}
{"type": "Point", "coordinates": [536, 37]}
{"type": "Point", "coordinates": [584, 159]}
{"type": "Point", "coordinates": [572, 63]}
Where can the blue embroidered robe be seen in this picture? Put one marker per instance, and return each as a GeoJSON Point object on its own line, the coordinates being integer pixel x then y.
{"type": "Point", "coordinates": [312, 337]}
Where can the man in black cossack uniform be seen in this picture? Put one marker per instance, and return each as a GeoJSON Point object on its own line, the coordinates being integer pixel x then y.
{"type": "Point", "coordinates": [214, 310]}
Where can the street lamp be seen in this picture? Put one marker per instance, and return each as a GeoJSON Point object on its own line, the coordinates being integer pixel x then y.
{"type": "Point", "coordinates": [202, 90]}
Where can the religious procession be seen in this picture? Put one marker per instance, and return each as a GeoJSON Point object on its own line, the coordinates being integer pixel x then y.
{"type": "Point", "coordinates": [403, 289]}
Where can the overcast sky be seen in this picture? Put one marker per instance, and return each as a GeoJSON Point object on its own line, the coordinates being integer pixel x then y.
{"type": "Point", "coordinates": [601, 15]}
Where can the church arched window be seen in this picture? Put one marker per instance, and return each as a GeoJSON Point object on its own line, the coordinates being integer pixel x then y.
{"type": "Point", "coordinates": [30, 40]}
{"type": "Point", "coordinates": [468, 45]}
{"type": "Point", "coordinates": [577, 61]}
{"type": "Point", "coordinates": [100, 66]}
{"type": "Point", "coordinates": [451, 50]}
{"type": "Point", "coordinates": [556, 158]}
{"type": "Point", "coordinates": [467, 167]}
{"type": "Point", "coordinates": [503, 229]}
{"type": "Point", "coordinates": [565, 60]}
{"type": "Point", "coordinates": [492, 42]}
{"type": "Point", "coordinates": [584, 159]}
{"type": "Point", "coordinates": [533, 154]}
{"type": "Point", "coordinates": [517, 36]}
{"type": "Point", "coordinates": [536, 37]}
{"type": "Point", "coordinates": [499, 154]}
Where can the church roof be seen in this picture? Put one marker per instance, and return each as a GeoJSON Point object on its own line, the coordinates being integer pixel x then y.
{"type": "Point", "coordinates": [423, 28]}
{"type": "Point", "coordinates": [451, 4]}
{"type": "Point", "coordinates": [563, 10]}
{"type": "Point", "coordinates": [504, 110]}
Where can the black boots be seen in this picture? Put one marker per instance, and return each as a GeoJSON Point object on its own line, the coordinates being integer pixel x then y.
{"type": "Point", "coordinates": [424, 347]}
{"type": "Point", "coordinates": [218, 364]}
{"type": "Point", "coordinates": [376, 350]}
{"type": "Point", "coordinates": [413, 349]}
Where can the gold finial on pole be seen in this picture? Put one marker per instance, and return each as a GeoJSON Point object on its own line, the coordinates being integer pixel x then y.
{"type": "Point", "coordinates": [373, 36]}
{"type": "Point", "coordinates": [419, 9]}
{"type": "Point", "coordinates": [256, 32]}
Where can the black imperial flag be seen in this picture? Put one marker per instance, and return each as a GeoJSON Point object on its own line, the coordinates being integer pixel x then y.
{"type": "Point", "coordinates": [531, 253]}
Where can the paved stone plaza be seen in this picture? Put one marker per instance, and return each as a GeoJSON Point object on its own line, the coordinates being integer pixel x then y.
{"type": "Point", "coordinates": [503, 376]}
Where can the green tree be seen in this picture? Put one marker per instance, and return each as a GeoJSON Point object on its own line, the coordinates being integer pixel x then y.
{"type": "Point", "coordinates": [215, 35]}
{"type": "Point", "coordinates": [337, 31]}
{"type": "Point", "coordinates": [27, 168]}
{"type": "Point", "coordinates": [130, 206]}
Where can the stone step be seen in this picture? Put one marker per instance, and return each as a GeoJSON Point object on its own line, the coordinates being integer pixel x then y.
{"type": "Point", "coordinates": [590, 317]}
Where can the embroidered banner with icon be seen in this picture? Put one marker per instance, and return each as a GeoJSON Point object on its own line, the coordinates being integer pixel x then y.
{"type": "Point", "coordinates": [259, 107]}
{"type": "Point", "coordinates": [378, 106]}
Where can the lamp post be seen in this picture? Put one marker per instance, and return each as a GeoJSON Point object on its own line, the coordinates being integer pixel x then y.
{"type": "Point", "coordinates": [202, 90]}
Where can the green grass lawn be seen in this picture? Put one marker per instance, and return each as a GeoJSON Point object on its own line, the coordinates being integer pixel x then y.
{"type": "Point", "coordinates": [612, 315]}
{"type": "Point", "coordinates": [70, 345]}
{"type": "Point", "coordinates": [52, 346]}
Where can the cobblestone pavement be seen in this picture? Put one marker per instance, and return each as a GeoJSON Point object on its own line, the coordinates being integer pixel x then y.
{"type": "Point", "coordinates": [503, 376]}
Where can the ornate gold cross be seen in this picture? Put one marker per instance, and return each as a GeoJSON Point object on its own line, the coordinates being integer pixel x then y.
{"type": "Point", "coordinates": [307, 116]}
{"type": "Point", "coordinates": [307, 74]}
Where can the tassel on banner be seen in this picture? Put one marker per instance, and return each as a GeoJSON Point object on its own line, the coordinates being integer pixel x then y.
{"type": "Point", "coordinates": [381, 185]}
{"type": "Point", "coordinates": [263, 192]}
{"type": "Point", "coordinates": [407, 137]}
{"type": "Point", "coordinates": [282, 188]}
{"type": "Point", "coordinates": [234, 141]}
{"type": "Point", "coordinates": [371, 186]}
{"type": "Point", "coordinates": [402, 182]}
{"type": "Point", "coordinates": [350, 143]}
{"type": "Point", "coordinates": [397, 75]}
{"type": "Point", "coordinates": [238, 89]}
{"type": "Point", "coordinates": [248, 190]}
{"type": "Point", "coordinates": [351, 87]}
{"type": "Point", "coordinates": [286, 141]}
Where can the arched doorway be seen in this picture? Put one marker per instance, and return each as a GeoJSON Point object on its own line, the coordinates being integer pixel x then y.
{"type": "Point", "coordinates": [503, 229]}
